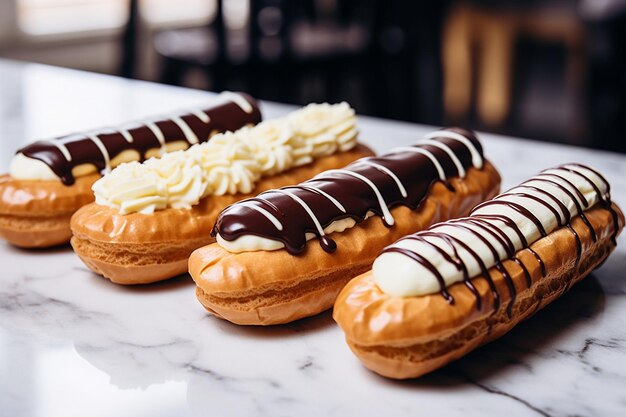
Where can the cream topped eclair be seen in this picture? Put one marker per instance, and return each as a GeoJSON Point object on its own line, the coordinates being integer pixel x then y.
{"type": "Point", "coordinates": [438, 294]}
{"type": "Point", "coordinates": [50, 179]}
{"type": "Point", "coordinates": [149, 217]}
{"type": "Point", "coordinates": [353, 212]}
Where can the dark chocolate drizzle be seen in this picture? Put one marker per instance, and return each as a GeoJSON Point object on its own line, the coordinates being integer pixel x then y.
{"type": "Point", "coordinates": [605, 199]}
{"type": "Point", "coordinates": [420, 259]}
{"type": "Point", "coordinates": [402, 177]}
{"type": "Point", "coordinates": [86, 148]}
{"type": "Point", "coordinates": [487, 223]}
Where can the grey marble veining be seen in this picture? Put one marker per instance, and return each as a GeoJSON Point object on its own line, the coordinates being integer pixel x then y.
{"type": "Point", "coordinates": [73, 344]}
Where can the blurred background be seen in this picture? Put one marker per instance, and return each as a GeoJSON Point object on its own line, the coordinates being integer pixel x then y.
{"type": "Point", "coordinates": [552, 70]}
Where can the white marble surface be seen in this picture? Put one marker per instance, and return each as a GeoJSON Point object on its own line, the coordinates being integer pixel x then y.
{"type": "Point", "coordinates": [73, 344]}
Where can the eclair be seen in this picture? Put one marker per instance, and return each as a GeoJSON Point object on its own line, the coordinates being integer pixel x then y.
{"type": "Point", "coordinates": [263, 270]}
{"type": "Point", "coordinates": [149, 217]}
{"type": "Point", "coordinates": [436, 295]}
{"type": "Point", "coordinates": [50, 179]}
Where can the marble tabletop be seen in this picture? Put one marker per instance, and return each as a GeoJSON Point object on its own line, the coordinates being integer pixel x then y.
{"type": "Point", "coordinates": [74, 344]}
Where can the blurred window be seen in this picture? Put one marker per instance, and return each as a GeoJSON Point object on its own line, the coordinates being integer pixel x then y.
{"type": "Point", "coordinates": [46, 17]}
{"type": "Point", "coordinates": [55, 17]}
{"type": "Point", "coordinates": [171, 12]}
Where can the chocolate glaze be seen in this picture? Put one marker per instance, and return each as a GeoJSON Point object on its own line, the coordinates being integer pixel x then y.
{"type": "Point", "coordinates": [507, 244]}
{"type": "Point", "coordinates": [542, 265]}
{"type": "Point", "coordinates": [486, 222]}
{"type": "Point", "coordinates": [527, 276]}
{"type": "Point", "coordinates": [562, 220]}
{"type": "Point", "coordinates": [86, 148]}
{"type": "Point", "coordinates": [451, 240]}
{"type": "Point", "coordinates": [510, 285]}
{"type": "Point", "coordinates": [520, 209]}
{"type": "Point", "coordinates": [360, 188]}
{"type": "Point", "coordinates": [419, 258]}
{"type": "Point", "coordinates": [460, 266]}
{"type": "Point", "coordinates": [605, 199]}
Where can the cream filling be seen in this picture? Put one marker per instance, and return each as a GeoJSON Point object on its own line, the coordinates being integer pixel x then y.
{"type": "Point", "coordinates": [180, 179]}
{"type": "Point", "coordinates": [230, 163]}
{"type": "Point", "coordinates": [252, 243]}
{"type": "Point", "coordinates": [398, 275]}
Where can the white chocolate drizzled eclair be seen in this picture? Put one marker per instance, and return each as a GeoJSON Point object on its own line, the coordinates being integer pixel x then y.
{"type": "Point", "coordinates": [510, 257]}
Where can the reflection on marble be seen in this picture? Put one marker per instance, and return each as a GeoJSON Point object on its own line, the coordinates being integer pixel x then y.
{"type": "Point", "coordinates": [72, 343]}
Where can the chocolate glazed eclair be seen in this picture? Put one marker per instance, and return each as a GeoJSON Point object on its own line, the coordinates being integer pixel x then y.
{"type": "Point", "coordinates": [51, 179]}
{"type": "Point", "coordinates": [354, 212]}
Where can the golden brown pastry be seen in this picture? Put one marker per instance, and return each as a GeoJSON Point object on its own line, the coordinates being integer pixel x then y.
{"type": "Point", "coordinates": [51, 179]}
{"type": "Point", "coordinates": [140, 249]}
{"type": "Point", "coordinates": [148, 218]}
{"type": "Point", "coordinates": [36, 214]}
{"type": "Point", "coordinates": [262, 271]}
{"type": "Point", "coordinates": [434, 296]}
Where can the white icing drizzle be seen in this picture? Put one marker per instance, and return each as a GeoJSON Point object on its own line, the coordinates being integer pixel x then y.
{"type": "Point", "coordinates": [381, 201]}
{"type": "Point", "coordinates": [105, 154]}
{"type": "Point", "coordinates": [189, 135]}
{"type": "Point", "coordinates": [157, 132]}
{"type": "Point", "coordinates": [322, 192]}
{"type": "Point", "coordinates": [306, 207]}
{"type": "Point", "coordinates": [384, 169]}
{"type": "Point", "coordinates": [200, 115]}
{"type": "Point", "coordinates": [249, 242]}
{"type": "Point", "coordinates": [429, 155]}
{"type": "Point", "coordinates": [127, 135]}
{"type": "Point", "coordinates": [264, 212]}
{"type": "Point", "coordinates": [477, 159]}
{"type": "Point", "coordinates": [60, 144]}
{"type": "Point", "coordinates": [449, 152]}
{"type": "Point", "coordinates": [238, 100]}
{"type": "Point", "coordinates": [124, 130]}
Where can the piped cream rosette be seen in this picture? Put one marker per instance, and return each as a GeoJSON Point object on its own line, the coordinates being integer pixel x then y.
{"type": "Point", "coordinates": [230, 163]}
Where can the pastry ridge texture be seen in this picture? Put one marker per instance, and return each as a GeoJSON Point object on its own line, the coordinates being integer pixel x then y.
{"type": "Point", "coordinates": [37, 213]}
{"type": "Point", "coordinates": [406, 337]}
{"type": "Point", "coordinates": [234, 286]}
{"type": "Point", "coordinates": [144, 248]}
